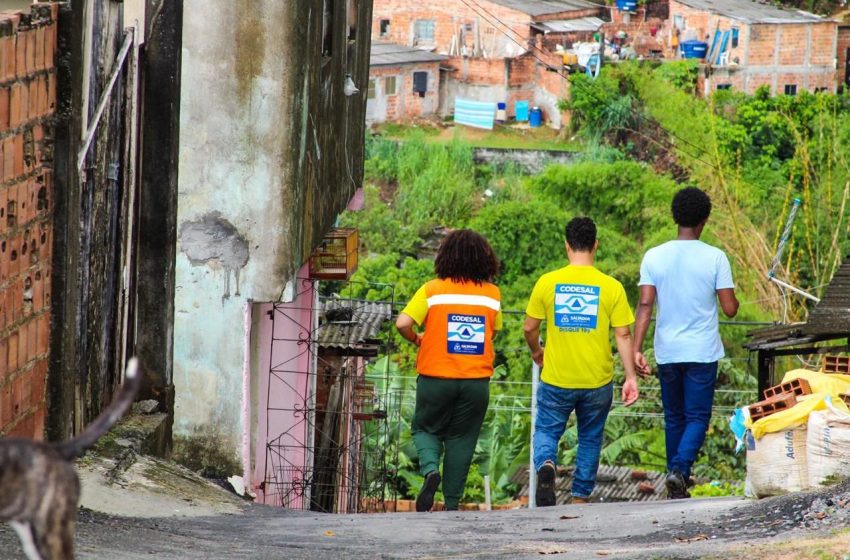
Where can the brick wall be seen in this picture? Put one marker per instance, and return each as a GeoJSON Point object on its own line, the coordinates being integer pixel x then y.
{"type": "Point", "coordinates": [27, 104]}
{"type": "Point", "coordinates": [405, 103]}
{"type": "Point", "coordinates": [646, 34]}
{"type": "Point", "coordinates": [843, 46]}
{"type": "Point", "coordinates": [768, 54]}
{"type": "Point", "coordinates": [448, 16]}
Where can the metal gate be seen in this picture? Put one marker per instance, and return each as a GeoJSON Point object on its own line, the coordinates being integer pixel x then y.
{"type": "Point", "coordinates": [329, 409]}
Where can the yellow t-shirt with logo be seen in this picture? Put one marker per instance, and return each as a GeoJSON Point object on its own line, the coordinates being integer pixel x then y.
{"type": "Point", "coordinates": [580, 305]}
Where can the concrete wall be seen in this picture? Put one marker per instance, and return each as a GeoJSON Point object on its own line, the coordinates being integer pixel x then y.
{"type": "Point", "coordinates": [270, 152]}
{"type": "Point", "coordinates": [27, 107]}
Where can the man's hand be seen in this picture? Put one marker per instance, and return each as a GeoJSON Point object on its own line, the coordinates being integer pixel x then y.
{"type": "Point", "coordinates": [630, 392]}
{"type": "Point", "coordinates": [538, 357]}
{"type": "Point", "coordinates": [642, 366]}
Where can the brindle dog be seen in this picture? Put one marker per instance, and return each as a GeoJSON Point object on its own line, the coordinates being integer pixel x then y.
{"type": "Point", "coordinates": [39, 489]}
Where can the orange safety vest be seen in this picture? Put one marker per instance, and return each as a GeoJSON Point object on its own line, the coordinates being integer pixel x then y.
{"type": "Point", "coordinates": [459, 326]}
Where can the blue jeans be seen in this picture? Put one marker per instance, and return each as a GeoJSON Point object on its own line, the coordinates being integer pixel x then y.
{"type": "Point", "coordinates": [687, 392]}
{"type": "Point", "coordinates": [554, 406]}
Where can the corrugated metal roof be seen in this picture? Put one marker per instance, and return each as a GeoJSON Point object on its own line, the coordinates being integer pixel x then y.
{"type": "Point", "coordinates": [391, 54]}
{"type": "Point", "coordinates": [613, 484]}
{"type": "Point", "coordinates": [753, 12]}
{"type": "Point", "coordinates": [351, 325]}
{"type": "Point", "coordinates": [829, 319]}
{"type": "Point", "coordinates": [544, 7]}
{"type": "Point", "coordinates": [570, 25]}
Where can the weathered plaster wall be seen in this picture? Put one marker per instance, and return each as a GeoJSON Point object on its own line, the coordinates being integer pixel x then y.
{"type": "Point", "coordinates": [270, 152]}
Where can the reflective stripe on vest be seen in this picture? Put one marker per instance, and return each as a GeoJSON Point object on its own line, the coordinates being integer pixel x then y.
{"type": "Point", "coordinates": [464, 299]}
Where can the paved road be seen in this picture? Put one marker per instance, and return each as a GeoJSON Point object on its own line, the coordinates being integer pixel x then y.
{"type": "Point", "coordinates": [645, 530]}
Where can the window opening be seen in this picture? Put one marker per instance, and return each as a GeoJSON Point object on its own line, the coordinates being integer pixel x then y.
{"type": "Point", "coordinates": [424, 31]}
{"type": "Point", "coordinates": [790, 89]}
{"type": "Point", "coordinates": [385, 28]}
{"type": "Point", "coordinates": [371, 93]}
{"type": "Point", "coordinates": [390, 87]}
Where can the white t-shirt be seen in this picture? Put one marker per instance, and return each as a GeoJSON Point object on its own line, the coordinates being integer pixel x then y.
{"type": "Point", "coordinates": [686, 276]}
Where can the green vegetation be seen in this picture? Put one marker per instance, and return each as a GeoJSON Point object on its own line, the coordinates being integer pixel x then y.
{"type": "Point", "coordinates": [646, 136]}
{"type": "Point", "coordinates": [502, 136]}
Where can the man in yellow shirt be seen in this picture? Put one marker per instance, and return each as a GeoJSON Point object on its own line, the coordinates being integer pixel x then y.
{"type": "Point", "coordinates": [580, 305]}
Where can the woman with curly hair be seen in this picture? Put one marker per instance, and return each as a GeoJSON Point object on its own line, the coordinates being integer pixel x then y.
{"type": "Point", "coordinates": [460, 312]}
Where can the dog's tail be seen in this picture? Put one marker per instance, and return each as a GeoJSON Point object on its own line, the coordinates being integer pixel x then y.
{"type": "Point", "coordinates": [75, 447]}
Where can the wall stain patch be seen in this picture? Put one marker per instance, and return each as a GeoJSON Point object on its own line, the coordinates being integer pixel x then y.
{"type": "Point", "coordinates": [213, 241]}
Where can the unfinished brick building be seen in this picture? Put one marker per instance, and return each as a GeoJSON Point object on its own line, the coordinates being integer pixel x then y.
{"type": "Point", "coordinates": [27, 105]}
{"type": "Point", "coordinates": [485, 28]}
{"type": "Point", "coordinates": [753, 45]}
{"type": "Point", "coordinates": [404, 83]}
{"type": "Point", "coordinates": [494, 48]}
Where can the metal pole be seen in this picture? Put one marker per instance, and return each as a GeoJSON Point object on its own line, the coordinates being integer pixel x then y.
{"type": "Point", "coordinates": [793, 289]}
{"type": "Point", "coordinates": [532, 472]}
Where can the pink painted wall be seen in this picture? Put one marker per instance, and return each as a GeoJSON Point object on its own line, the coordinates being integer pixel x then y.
{"type": "Point", "coordinates": [283, 434]}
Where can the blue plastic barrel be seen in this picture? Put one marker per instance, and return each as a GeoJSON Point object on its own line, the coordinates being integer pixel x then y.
{"type": "Point", "coordinates": [521, 111]}
{"type": "Point", "coordinates": [627, 5]}
{"type": "Point", "coordinates": [535, 118]}
{"type": "Point", "coordinates": [694, 49]}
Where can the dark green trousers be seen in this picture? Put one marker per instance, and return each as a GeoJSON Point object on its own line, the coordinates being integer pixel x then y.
{"type": "Point", "coordinates": [447, 420]}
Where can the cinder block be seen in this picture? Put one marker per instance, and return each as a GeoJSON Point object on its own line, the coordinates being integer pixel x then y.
{"type": "Point", "coordinates": [30, 54]}
{"type": "Point", "coordinates": [12, 358]}
{"type": "Point", "coordinates": [836, 364]}
{"type": "Point", "coordinates": [796, 387]}
{"type": "Point", "coordinates": [43, 335]}
{"type": "Point", "coordinates": [776, 404]}
{"type": "Point", "coordinates": [7, 52]}
{"type": "Point", "coordinates": [4, 350]}
{"type": "Point", "coordinates": [39, 48]}
{"type": "Point", "coordinates": [5, 406]}
{"type": "Point", "coordinates": [32, 338]}
{"type": "Point", "coordinates": [22, 345]}
{"type": "Point", "coordinates": [39, 379]}
{"type": "Point", "coordinates": [20, 55]}
{"type": "Point", "coordinates": [15, 105]}
{"type": "Point", "coordinates": [32, 98]}
{"type": "Point", "coordinates": [4, 108]}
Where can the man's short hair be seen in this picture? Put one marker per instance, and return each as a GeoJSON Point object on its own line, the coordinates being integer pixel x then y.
{"type": "Point", "coordinates": [690, 207]}
{"type": "Point", "coordinates": [581, 234]}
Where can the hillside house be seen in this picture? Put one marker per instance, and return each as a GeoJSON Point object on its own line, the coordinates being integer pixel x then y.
{"type": "Point", "coordinates": [404, 83]}
{"type": "Point", "coordinates": [483, 28]}
{"type": "Point", "coordinates": [497, 50]}
{"type": "Point", "coordinates": [753, 45]}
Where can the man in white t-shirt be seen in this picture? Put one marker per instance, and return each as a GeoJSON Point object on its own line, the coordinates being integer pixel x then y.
{"type": "Point", "coordinates": [687, 278]}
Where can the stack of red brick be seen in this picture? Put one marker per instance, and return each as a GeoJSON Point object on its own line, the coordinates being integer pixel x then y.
{"type": "Point", "coordinates": [27, 107]}
{"type": "Point", "coordinates": [784, 396]}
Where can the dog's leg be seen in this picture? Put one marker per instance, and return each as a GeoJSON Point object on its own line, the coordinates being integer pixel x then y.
{"type": "Point", "coordinates": [24, 531]}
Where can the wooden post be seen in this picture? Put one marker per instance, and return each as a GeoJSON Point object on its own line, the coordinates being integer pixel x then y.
{"type": "Point", "coordinates": [765, 370]}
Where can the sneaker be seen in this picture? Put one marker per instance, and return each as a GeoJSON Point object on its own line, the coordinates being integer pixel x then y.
{"type": "Point", "coordinates": [578, 500]}
{"type": "Point", "coordinates": [676, 486]}
{"type": "Point", "coordinates": [425, 499]}
{"type": "Point", "coordinates": [545, 495]}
